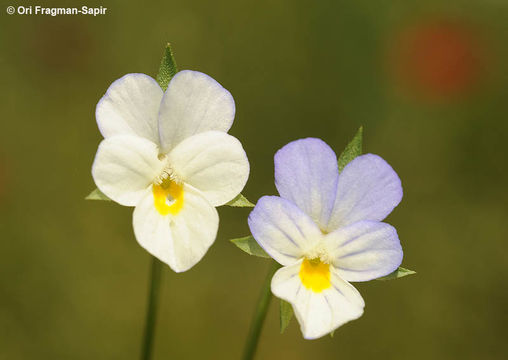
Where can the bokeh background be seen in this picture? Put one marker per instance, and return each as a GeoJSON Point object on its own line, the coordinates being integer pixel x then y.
{"type": "Point", "coordinates": [427, 80]}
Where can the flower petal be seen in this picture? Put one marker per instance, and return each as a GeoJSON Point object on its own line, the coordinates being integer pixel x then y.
{"type": "Point", "coordinates": [368, 189]}
{"type": "Point", "coordinates": [364, 250]}
{"type": "Point", "coordinates": [125, 166]}
{"type": "Point", "coordinates": [179, 240]}
{"type": "Point", "coordinates": [284, 231]}
{"type": "Point", "coordinates": [214, 163]}
{"type": "Point", "coordinates": [318, 313]}
{"type": "Point", "coordinates": [193, 103]}
{"type": "Point", "coordinates": [306, 173]}
{"type": "Point", "coordinates": [130, 107]}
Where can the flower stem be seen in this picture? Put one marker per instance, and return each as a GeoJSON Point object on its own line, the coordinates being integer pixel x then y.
{"type": "Point", "coordinates": [151, 312]}
{"type": "Point", "coordinates": [260, 314]}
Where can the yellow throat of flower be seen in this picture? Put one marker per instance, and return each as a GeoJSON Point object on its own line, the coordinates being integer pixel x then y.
{"type": "Point", "coordinates": [168, 197]}
{"type": "Point", "coordinates": [315, 274]}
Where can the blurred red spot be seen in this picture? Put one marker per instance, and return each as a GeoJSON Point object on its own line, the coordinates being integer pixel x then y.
{"type": "Point", "coordinates": [439, 59]}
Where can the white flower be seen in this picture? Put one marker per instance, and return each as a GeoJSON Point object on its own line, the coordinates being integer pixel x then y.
{"type": "Point", "coordinates": [326, 230]}
{"type": "Point", "coordinates": [168, 154]}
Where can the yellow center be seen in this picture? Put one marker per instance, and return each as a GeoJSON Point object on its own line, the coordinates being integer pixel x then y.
{"type": "Point", "coordinates": [168, 197]}
{"type": "Point", "coordinates": [315, 275]}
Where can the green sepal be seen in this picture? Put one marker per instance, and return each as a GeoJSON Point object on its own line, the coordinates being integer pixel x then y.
{"type": "Point", "coordinates": [250, 246]}
{"type": "Point", "coordinates": [97, 195]}
{"type": "Point", "coordinates": [400, 272]}
{"type": "Point", "coordinates": [352, 150]}
{"type": "Point", "coordinates": [240, 201]}
{"type": "Point", "coordinates": [167, 69]}
{"type": "Point", "coordinates": [286, 313]}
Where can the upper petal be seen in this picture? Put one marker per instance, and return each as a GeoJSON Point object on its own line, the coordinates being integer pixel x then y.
{"type": "Point", "coordinates": [214, 163]}
{"type": "Point", "coordinates": [130, 107]}
{"type": "Point", "coordinates": [364, 250]}
{"type": "Point", "coordinates": [125, 166]}
{"type": "Point", "coordinates": [179, 240]}
{"type": "Point", "coordinates": [318, 313]}
{"type": "Point", "coordinates": [306, 173]}
{"type": "Point", "coordinates": [193, 103]}
{"type": "Point", "coordinates": [368, 189]}
{"type": "Point", "coordinates": [284, 231]}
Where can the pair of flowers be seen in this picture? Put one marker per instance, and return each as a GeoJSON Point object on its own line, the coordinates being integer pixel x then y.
{"type": "Point", "coordinates": [168, 154]}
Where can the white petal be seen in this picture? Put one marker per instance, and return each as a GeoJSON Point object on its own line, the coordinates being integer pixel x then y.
{"type": "Point", "coordinates": [284, 231]}
{"type": "Point", "coordinates": [193, 103]}
{"type": "Point", "coordinates": [368, 189]}
{"type": "Point", "coordinates": [179, 240]}
{"type": "Point", "coordinates": [214, 163]}
{"type": "Point", "coordinates": [130, 107]}
{"type": "Point", "coordinates": [364, 250]}
{"type": "Point", "coordinates": [318, 313]}
{"type": "Point", "coordinates": [125, 166]}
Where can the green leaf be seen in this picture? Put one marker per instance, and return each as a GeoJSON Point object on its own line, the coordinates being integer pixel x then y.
{"type": "Point", "coordinates": [167, 69]}
{"type": "Point", "coordinates": [250, 246]}
{"type": "Point", "coordinates": [286, 313]}
{"type": "Point", "coordinates": [400, 272]}
{"type": "Point", "coordinates": [97, 195]}
{"type": "Point", "coordinates": [240, 201]}
{"type": "Point", "coordinates": [352, 150]}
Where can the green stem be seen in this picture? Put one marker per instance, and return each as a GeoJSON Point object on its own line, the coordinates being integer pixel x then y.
{"type": "Point", "coordinates": [259, 315]}
{"type": "Point", "coordinates": [151, 312]}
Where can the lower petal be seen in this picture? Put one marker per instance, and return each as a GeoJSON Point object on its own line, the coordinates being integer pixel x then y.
{"type": "Point", "coordinates": [125, 166]}
{"type": "Point", "coordinates": [364, 250]}
{"type": "Point", "coordinates": [178, 239]}
{"type": "Point", "coordinates": [213, 162]}
{"type": "Point", "coordinates": [282, 229]}
{"type": "Point", "coordinates": [318, 313]}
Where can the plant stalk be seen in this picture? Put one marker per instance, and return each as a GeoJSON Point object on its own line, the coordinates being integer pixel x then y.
{"type": "Point", "coordinates": [151, 312]}
{"type": "Point", "coordinates": [260, 314]}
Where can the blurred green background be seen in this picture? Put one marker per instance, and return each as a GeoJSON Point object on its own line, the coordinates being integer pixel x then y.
{"type": "Point", "coordinates": [427, 80]}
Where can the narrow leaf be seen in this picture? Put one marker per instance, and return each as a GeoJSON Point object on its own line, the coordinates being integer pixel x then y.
{"type": "Point", "coordinates": [167, 69]}
{"type": "Point", "coordinates": [97, 195]}
{"type": "Point", "coordinates": [240, 201]}
{"type": "Point", "coordinates": [400, 272]}
{"type": "Point", "coordinates": [286, 313]}
{"type": "Point", "coordinates": [352, 150]}
{"type": "Point", "coordinates": [250, 246]}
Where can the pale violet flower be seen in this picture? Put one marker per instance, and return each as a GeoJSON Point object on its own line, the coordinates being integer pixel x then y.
{"type": "Point", "coordinates": [326, 230]}
{"type": "Point", "coordinates": [168, 155]}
